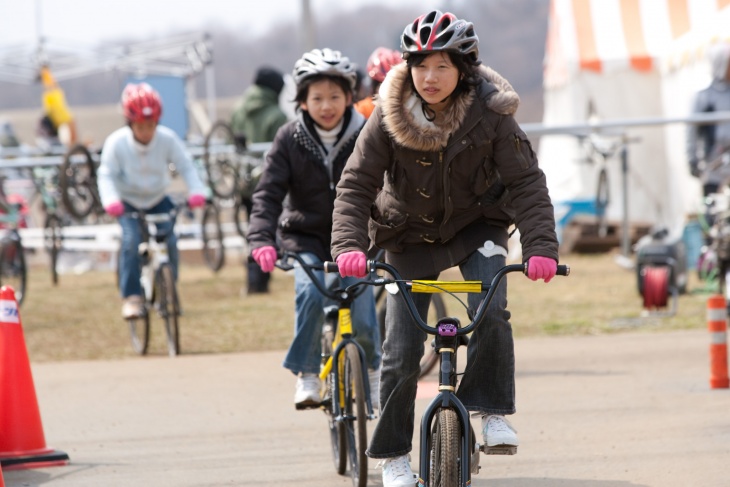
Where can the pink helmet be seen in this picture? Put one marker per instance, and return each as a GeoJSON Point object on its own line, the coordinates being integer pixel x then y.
{"type": "Point", "coordinates": [380, 62]}
{"type": "Point", "coordinates": [437, 31]}
{"type": "Point", "coordinates": [141, 102]}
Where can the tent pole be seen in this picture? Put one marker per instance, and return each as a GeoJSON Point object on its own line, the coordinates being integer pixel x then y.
{"type": "Point", "coordinates": [625, 240]}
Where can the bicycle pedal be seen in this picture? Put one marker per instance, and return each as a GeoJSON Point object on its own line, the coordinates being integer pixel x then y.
{"type": "Point", "coordinates": [307, 405]}
{"type": "Point", "coordinates": [498, 449]}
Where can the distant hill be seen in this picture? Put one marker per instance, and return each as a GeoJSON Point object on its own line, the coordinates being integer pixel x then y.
{"type": "Point", "coordinates": [512, 41]}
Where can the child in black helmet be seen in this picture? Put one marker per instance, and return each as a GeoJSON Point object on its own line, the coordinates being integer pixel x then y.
{"type": "Point", "coordinates": [456, 171]}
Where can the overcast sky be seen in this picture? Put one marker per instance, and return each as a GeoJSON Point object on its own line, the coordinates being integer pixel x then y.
{"type": "Point", "coordinates": [90, 21]}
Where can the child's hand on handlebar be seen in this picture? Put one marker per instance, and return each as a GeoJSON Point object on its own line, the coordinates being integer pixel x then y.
{"type": "Point", "coordinates": [115, 208]}
{"type": "Point", "coordinates": [196, 200]}
{"type": "Point", "coordinates": [265, 257]}
{"type": "Point", "coordinates": [541, 268]}
{"type": "Point", "coordinates": [352, 263]}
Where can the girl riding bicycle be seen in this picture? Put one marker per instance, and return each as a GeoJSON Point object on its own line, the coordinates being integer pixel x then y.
{"type": "Point", "coordinates": [292, 208]}
{"type": "Point", "coordinates": [456, 171]}
{"type": "Point", "coordinates": [134, 175]}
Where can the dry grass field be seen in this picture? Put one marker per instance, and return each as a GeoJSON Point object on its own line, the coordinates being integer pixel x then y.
{"type": "Point", "coordinates": [80, 318]}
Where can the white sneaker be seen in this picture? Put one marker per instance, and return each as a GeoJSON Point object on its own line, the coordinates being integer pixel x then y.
{"type": "Point", "coordinates": [374, 379]}
{"type": "Point", "coordinates": [397, 472]}
{"type": "Point", "coordinates": [307, 391]}
{"type": "Point", "coordinates": [498, 431]}
{"type": "Point", "coordinates": [132, 307]}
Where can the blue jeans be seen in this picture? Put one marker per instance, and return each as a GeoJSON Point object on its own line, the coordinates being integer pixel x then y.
{"type": "Point", "coordinates": [488, 383]}
{"type": "Point", "coordinates": [304, 354]}
{"type": "Point", "coordinates": [129, 262]}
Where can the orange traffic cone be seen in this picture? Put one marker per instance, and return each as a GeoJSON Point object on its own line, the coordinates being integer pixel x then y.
{"type": "Point", "coordinates": [22, 443]}
{"type": "Point", "coordinates": [717, 326]}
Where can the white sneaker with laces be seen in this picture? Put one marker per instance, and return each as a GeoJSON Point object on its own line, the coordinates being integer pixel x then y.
{"type": "Point", "coordinates": [132, 307]}
{"type": "Point", "coordinates": [498, 431]}
{"type": "Point", "coordinates": [397, 472]}
{"type": "Point", "coordinates": [374, 379]}
{"type": "Point", "coordinates": [307, 390]}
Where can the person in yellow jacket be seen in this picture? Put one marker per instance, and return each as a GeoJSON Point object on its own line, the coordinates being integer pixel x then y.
{"type": "Point", "coordinates": [58, 120]}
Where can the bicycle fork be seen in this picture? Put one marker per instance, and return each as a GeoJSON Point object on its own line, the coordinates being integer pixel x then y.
{"type": "Point", "coordinates": [333, 365]}
{"type": "Point", "coordinates": [446, 343]}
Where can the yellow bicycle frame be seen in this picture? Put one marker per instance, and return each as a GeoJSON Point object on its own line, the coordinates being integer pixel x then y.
{"type": "Point", "coordinates": [344, 327]}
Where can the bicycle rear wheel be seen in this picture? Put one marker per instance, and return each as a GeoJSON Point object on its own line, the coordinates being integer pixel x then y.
{"type": "Point", "coordinates": [168, 307]}
{"type": "Point", "coordinates": [13, 271]}
{"type": "Point", "coordinates": [355, 420]}
{"type": "Point", "coordinates": [77, 180]}
{"type": "Point", "coordinates": [139, 330]}
{"type": "Point", "coordinates": [444, 448]}
{"type": "Point", "coordinates": [52, 235]}
{"type": "Point", "coordinates": [221, 164]}
{"type": "Point", "coordinates": [240, 216]}
{"type": "Point", "coordinates": [212, 235]}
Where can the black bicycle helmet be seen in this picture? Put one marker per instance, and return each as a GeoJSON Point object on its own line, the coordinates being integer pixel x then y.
{"type": "Point", "coordinates": [324, 61]}
{"type": "Point", "coordinates": [437, 31]}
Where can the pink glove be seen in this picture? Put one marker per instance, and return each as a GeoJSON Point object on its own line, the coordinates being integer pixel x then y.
{"type": "Point", "coordinates": [265, 257]}
{"type": "Point", "coordinates": [196, 200]}
{"type": "Point", "coordinates": [353, 263]}
{"type": "Point", "coordinates": [115, 208]}
{"type": "Point", "coordinates": [541, 268]}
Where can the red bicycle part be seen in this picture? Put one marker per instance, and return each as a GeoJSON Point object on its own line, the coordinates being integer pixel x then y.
{"type": "Point", "coordinates": [656, 286]}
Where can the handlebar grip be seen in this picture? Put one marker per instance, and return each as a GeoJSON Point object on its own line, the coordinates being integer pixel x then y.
{"type": "Point", "coordinates": [563, 270]}
{"type": "Point", "coordinates": [330, 267]}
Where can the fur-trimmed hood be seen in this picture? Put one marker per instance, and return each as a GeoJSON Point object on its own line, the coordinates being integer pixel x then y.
{"type": "Point", "coordinates": [403, 114]}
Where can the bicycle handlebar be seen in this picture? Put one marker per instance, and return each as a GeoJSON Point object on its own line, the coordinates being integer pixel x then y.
{"type": "Point", "coordinates": [425, 286]}
{"type": "Point", "coordinates": [340, 295]}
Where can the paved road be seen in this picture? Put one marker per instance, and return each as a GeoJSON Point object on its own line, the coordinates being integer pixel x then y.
{"type": "Point", "coordinates": [626, 410]}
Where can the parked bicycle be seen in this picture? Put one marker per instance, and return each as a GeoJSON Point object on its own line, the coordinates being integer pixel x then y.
{"type": "Point", "coordinates": [346, 389]}
{"type": "Point", "coordinates": [13, 269]}
{"type": "Point", "coordinates": [232, 170]}
{"type": "Point", "coordinates": [45, 180]}
{"type": "Point", "coordinates": [159, 289]}
{"type": "Point", "coordinates": [77, 182]}
{"type": "Point", "coordinates": [449, 453]}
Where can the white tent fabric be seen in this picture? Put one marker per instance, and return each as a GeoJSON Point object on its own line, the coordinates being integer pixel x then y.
{"type": "Point", "coordinates": [626, 59]}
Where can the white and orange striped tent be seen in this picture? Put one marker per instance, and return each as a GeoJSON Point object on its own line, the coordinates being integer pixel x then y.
{"type": "Point", "coordinates": [628, 59]}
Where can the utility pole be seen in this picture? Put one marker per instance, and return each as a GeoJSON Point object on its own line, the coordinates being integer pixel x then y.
{"type": "Point", "coordinates": [308, 36]}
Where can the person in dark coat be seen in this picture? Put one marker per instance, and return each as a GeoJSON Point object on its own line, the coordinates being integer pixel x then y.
{"type": "Point", "coordinates": [292, 209]}
{"type": "Point", "coordinates": [439, 173]}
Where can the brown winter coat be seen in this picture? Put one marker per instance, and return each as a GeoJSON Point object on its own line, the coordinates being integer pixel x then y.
{"type": "Point", "coordinates": [447, 185]}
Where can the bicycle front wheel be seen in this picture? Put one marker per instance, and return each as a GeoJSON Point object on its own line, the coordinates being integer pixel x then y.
{"type": "Point", "coordinates": [444, 448]}
{"type": "Point", "coordinates": [13, 271]}
{"type": "Point", "coordinates": [168, 307]}
{"type": "Point", "coordinates": [77, 181]}
{"type": "Point", "coordinates": [355, 414]}
{"type": "Point", "coordinates": [220, 158]}
{"type": "Point", "coordinates": [139, 330]}
{"type": "Point", "coordinates": [212, 235]}
{"type": "Point", "coordinates": [52, 235]}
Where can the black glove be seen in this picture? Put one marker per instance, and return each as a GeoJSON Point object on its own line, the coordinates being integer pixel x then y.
{"type": "Point", "coordinates": [694, 168]}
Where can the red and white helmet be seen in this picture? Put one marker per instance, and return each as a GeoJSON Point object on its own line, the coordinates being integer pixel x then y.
{"type": "Point", "coordinates": [380, 62]}
{"type": "Point", "coordinates": [437, 31]}
{"type": "Point", "coordinates": [141, 102]}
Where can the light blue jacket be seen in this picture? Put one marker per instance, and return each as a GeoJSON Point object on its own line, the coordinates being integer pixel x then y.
{"type": "Point", "coordinates": [139, 174]}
